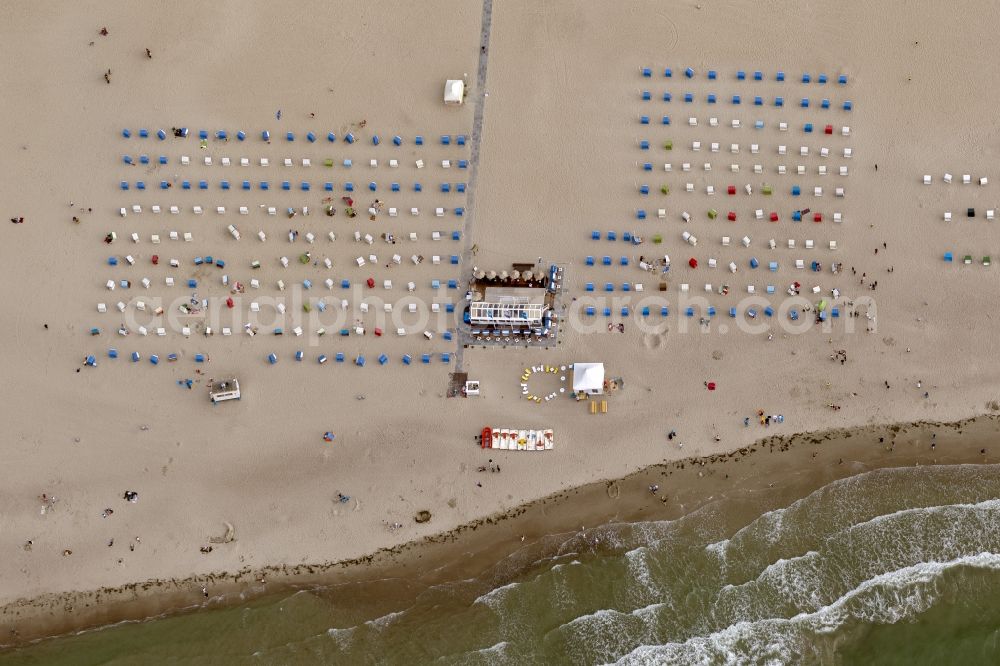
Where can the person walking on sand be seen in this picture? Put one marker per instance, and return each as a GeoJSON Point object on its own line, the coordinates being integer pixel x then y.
{"type": "Point", "coordinates": [149, 54]}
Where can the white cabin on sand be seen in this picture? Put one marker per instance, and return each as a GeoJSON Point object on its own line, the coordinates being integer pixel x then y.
{"type": "Point", "coordinates": [588, 378]}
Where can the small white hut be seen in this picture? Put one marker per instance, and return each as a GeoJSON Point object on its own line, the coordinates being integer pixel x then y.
{"type": "Point", "coordinates": [588, 378]}
{"type": "Point", "coordinates": [454, 91]}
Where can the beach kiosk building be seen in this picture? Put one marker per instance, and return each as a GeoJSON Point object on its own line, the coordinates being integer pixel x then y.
{"type": "Point", "coordinates": [454, 91]}
{"type": "Point", "coordinates": [588, 378]}
{"type": "Point", "coordinates": [515, 307]}
{"type": "Point", "coordinates": [226, 389]}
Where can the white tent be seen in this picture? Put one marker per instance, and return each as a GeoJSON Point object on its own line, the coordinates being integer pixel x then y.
{"type": "Point", "coordinates": [589, 378]}
{"type": "Point", "coordinates": [454, 91]}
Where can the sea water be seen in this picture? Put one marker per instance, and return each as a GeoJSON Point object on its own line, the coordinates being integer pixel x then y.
{"type": "Point", "coordinates": [896, 566]}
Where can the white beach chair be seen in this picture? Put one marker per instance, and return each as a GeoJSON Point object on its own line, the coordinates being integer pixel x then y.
{"type": "Point", "coordinates": [221, 210]}
{"type": "Point", "coordinates": [174, 236]}
{"type": "Point", "coordinates": [809, 245]}
{"type": "Point", "coordinates": [198, 210]}
{"type": "Point", "coordinates": [135, 237]}
{"type": "Point", "coordinates": [713, 122]}
{"type": "Point", "coordinates": [791, 243]}
{"type": "Point", "coordinates": [686, 166]}
{"type": "Point", "coordinates": [244, 210]}
{"type": "Point", "coordinates": [848, 152]}
{"type": "Point", "coordinates": [393, 212]}
{"type": "Point", "coordinates": [445, 164]}
{"type": "Point", "coordinates": [102, 307]}
{"type": "Point", "coordinates": [411, 286]}
{"type": "Point", "coordinates": [283, 261]}
{"type": "Point", "coordinates": [838, 217]}
{"type": "Point", "coordinates": [661, 213]}
{"type": "Point", "coordinates": [264, 162]}
{"type": "Point", "coordinates": [185, 160]}
{"type": "Point", "coordinates": [782, 150]}
{"type": "Point", "coordinates": [966, 179]}
{"type": "Point", "coordinates": [754, 148]}
{"type": "Point", "coordinates": [271, 210]}
{"type": "Point", "coordinates": [393, 163]}
{"type": "Point", "coordinates": [123, 212]}
{"type": "Point", "coordinates": [710, 190]}
{"type": "Point", "coordinates": [736, 123]}
{"type": "Point", "coordinates": [136, 208]}
{"type": "Point", "coordinates": [174, 210]}
{"type": "Point", "coordinates": [692, 121]}
{"type": "Point", "coordinates": [781, 170]}
{"type": "Point", "coordinates": [927, 179]}
{"type": "Point", "coordinates": [715, 147]}
{"type": "Point", "coordinates": [839, 192]}
{"type": "Point", "coordinates": [800, 264]}
{"type": "Point", "coordinates": [804, 151]}
{"type": "Point", "coordinates": [758, 169]}
{"type": "Point", "coordinates": [725, 241]}
{"type": "Point", "coordinates": [824, 152]}
{"type": "Point", "coordinates": [696, 146]}
{"type": "Point", "coordinates": [759, 214]}
{"type": "Point", "coordinates": [306, 162]}
{"type": "Point", "coordinates": [155, 209]}
{"type": "Point", "coordinates": [734, 148]}
{"type": "Point", "coordinates": [821, 169]}
{"type": "Point", "coordinates": [227, 331]}
{"type": "Point", "coordinates": [287, 161]}
{"type": "Point", "coordinates": [244, 162]}
{"type": "Point", "coordinates": [708, 166]}
{"type": "Point", "coordinates": [188, 237]}
{"type": "Point", "coordinates": [414, 211]}
{"type": "Point", "coordinates": [208, 161]}
{"type": "Point", "coordinates": [169, 281]}
{"type": "Point", "coordinates": [373, 163]}
{"type": "Point", "coordinates": [420, 164]}
{"type": "Point", "coordinates": [154, 239]}
{"type": "Point", "coordinates": [689, 187]}
{"type": "Point", "coordinates": [146, 282]}
{"type": "Point", "coordinates": [735, 168]}
{"type": "Point", "coordinates": [833, 245]}
{"type": "Point", "coordinates": [817, 191]}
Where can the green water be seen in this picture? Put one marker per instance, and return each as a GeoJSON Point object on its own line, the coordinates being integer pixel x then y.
{"type": "Point", "coordinates": [890, 567]}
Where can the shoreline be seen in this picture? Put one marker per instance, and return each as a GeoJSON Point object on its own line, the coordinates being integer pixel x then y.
{"type": "Point", "coordinates": [473, 548]}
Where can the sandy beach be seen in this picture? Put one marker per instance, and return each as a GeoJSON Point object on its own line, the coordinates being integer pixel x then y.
{"type": "Point", "coordinates": [552, 145]}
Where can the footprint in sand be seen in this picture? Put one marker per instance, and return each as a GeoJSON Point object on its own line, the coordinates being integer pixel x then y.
{"type": "Point", "coordinates": [654, 340]}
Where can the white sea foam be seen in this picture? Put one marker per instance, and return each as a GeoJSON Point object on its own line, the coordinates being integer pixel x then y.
{"type": "Point", "coordinates": [885, 599]}
{"type": "Point", "coordinates": [342, 636]}
{"type": "Point", "coordinates": [495, 597]}
{"type": "Point", "coordinates": [384, 621]}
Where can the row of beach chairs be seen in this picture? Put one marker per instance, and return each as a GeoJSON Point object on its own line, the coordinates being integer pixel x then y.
{"type": "Point", "coordinates": [347, 163]}
{"type": "Point", "coordinates": [971, 213]}
{"type": "Point", "coordinates": [156, 209]}
{"type": "Point", "coordinates": [949, 257]}
{"type": "Point", "coordinates": [272, 358]}
{"type": "Point", "coordinates": [758, 100]}
{"type": "Point", "coordinates": [287, 185]}
{"type": "Point", "coordinates": [436, 284]}
{"type": "Point", "coordinates": [311, 137]}
{"type": "Point", "coordinates": [741, 75]}
{"type": "Point", "coordinates": [758, 214]}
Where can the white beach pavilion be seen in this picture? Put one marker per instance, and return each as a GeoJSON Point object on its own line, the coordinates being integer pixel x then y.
{"type": "Point", "coordinates": [454, 91]}
{"type": "Point", "coordinates": [588, 378]}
